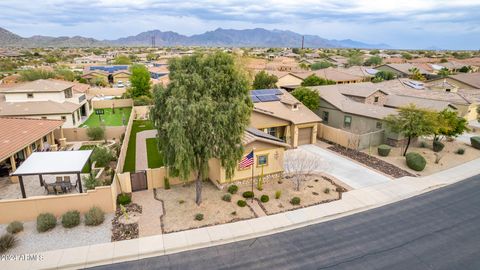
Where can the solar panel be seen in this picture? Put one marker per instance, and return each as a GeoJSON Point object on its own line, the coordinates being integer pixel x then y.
{"type": "Point", "coordinates": [266, 92]}
{"type": "Point", "coordinates": [266, 98]}
{"type": "Point", "coordinates": [254, 99]}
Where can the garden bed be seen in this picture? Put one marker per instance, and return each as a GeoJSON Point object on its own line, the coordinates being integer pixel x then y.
{"type": "Point", "coordinates": [180, 207]}
{"type": "Point", "coordinates": [449, 157]}
{"type": "Point", "coordinates": [371, 161]}
{"type": "Point", "coordinates": [125, 226]}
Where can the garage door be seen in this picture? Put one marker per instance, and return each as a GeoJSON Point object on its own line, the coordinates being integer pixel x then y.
{"type": "Point", "coordinates": [305, 136]}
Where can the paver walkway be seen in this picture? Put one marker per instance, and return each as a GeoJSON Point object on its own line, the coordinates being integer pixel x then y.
{"type": "Point", "coordinates": [152, 210]}
{"type": "Point", "coordinates": [141, 159]}
{"type": "Point", "coordinates": [350, 172]}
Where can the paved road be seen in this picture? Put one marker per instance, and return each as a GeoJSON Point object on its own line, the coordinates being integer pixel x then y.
{"type": "Point", "coordinates": [349, 172]}
{"type": "Point", "coordinates": [436, 230]}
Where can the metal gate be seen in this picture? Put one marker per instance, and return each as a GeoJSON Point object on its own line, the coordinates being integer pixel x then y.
{"type": "Point", "coordinates": [138, 180]}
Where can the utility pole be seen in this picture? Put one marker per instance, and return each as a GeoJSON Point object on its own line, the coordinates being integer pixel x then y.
{"type": "Point", "coordinates": [153, 41]}
{"type": "Point", "coordinates": [303, 40]}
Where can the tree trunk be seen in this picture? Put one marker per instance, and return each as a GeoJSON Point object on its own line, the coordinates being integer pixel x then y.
{"type": "Point", "coordinates": [198, 188]}
{"type": "Point", "coordinates": [406, 148]}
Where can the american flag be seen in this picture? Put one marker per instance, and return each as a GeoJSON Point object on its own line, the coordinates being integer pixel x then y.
{"type": "Point", "coordinates": [247, 161]}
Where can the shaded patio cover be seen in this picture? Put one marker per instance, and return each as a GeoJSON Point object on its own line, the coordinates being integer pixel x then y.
{"type": "Point", "coordinates": [56, 162]}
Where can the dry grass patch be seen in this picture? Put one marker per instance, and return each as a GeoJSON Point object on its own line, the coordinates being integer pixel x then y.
{"type": "Point", "coordinates": [181, 210]}
{"type": "Point", "coordinates": [449, 157]}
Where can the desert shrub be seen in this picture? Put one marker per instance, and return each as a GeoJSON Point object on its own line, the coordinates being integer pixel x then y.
{"type": "Point", "coordinates": [295, 201]}
{"type": "Point", "coordinates": [227, 197]}
{"type": "Point", "coordinates": [415, 161]}
{"type": "Point", "coordinates": [102, 156]}
{"type": "Point", "coordinates": [199, 216]}
{"type": "Point", "coordinates": [423, 144]}
{"type": "Point", "coordinates": [383, 150]}
{"type": "Point", "coordinates": [326, 191]}
{"type": "Point", "coordinates": [232, 189]}
{"type": "Point", "coordinates": [234, 213]}
{"type": "Point", "coordinates": [438, 146]}
{"type": "Point", "coordinates": [278, 194]}
{"type": "Point", "coordinates": [166, 183]}
{"type": "Point", "coordinates": [241, 203]}
{"type": "Point", "coordinates": [124, 198]}
{"type": "Point", "coordinates": [15, 227]}
{"type": "Point", "coordinates": [91, 182]}
{"type": "Point", "coordinates": [142, 101]}
{"type": "Point", "coordinates": [475, 141]}
{"type": "Point", "coordinates": [45, 222]}
{"type": "Point", "coordinates": [7, 241]}
{"type": "Point", "coordinates": [248, 194]}
{"type": "Point", "coordinates": [95, 216]}
{"type": "Point", "coordinates": [71, 219]}
{"type": "Point", "coordinates": [264, 198]}
{"type": "Point", "coordinates": [96, 133]}
{"type": "Point", "coordinates": [460, 151]}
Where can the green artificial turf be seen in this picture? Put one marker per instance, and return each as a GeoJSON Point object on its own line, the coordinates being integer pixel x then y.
{"type": "Point", "coordinates": [155, 159]}
{"type": "Point", "coordinates": [137, 126]}
{"type": "Point", "coordinates": [109, 118]}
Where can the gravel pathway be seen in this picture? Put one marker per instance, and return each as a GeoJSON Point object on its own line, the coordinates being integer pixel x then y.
{"type": "Point", "coordinates": [149, 222]}
{"type": "Point", "coordinates": [30, 241]}
{"type": "Point", "coordinates": [141, 161]}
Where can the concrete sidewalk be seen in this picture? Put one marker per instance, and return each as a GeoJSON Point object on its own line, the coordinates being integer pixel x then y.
{"type": "Point", "coordinates": [141, 157]}
{"type": "Point", "coordinates": [352, 202]}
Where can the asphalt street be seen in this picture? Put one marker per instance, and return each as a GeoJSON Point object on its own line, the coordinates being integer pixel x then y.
{"type": "Point", "coordinates": [436, 230]}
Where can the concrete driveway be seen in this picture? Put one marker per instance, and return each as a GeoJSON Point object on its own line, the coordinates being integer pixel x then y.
{"type": "Point", "coordinates": [349, 172]}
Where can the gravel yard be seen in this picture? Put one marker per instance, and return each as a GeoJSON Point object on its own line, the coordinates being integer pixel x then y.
{"type": "Point", "coordinates": [31, 241]}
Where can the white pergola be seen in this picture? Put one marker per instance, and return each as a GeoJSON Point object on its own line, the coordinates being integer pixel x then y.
{"type": "Point", "coordinates": [58, 162]}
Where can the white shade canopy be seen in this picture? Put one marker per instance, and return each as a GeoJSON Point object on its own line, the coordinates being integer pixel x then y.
{"type": "Point", "coordinates": [57, 162]}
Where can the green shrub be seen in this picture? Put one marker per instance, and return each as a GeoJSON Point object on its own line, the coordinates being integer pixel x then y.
{"type": "Point", "coordinates": [95, 216]}
{"type": "Point", "coordinates": [241, 203]}
{"type": "Point", "coordinates": [124, 198]}
{"type": "Point", "coordinates": [248, 194]}
{"type": "Point", "coordinates": [326, 190]}
{"type": "Point", "coordinates": [383, 150]}
{"type": "Point", "coordinates": [295, 201]}
{"type": "Point", "coordinates": [91, 182]}
{"type": "Point", "coordinates": [232, 189]}
{"type": "Point", "coordinates": [71, 219]}
{"type": "Point", "coordinates": [166, 183]}
{"type": "Point", "coordinates": [460, 151]}
{"type": "Point", "coordinates": [415, 161]}
{"type": "Point", "coordinates": [45, 222]}
{"type": "Point", "coordinates": [438, 146]}
{"type": "Point", "coordinates": [278, 194]}
{"type": "Point", "coordinates": [96, 133]}
{"type": "Point", "coordinates": [7, 241]}
{"type": "Point", "coordinates": [102, 156]}
{"type": "Point", "coordinates": [15, 227]}
{"type": "Point", "coordinates": [227, 197]}
{"type": "Point", "coordinates": [199, 216]}
{"type": "Point", "coordinates": [423, 144]}
{"type": "Point", "coordinates": [264, 198]}
{"type": "Point", "coordinates": [475, 141]}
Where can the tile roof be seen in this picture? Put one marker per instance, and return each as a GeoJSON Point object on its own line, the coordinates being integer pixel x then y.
{"type": "Point", "coordinates": [405, 67]}
{"type": "Point", "coordinates": [39, 86]}
{"type": "Point", "coordinates": [16, 133]}
{"type": "Point", "coordinates": [252, 134]}
{"type": "Point", "coordinates": [36, 108]}
{"type": "Point", "coordinates": [472, 79]}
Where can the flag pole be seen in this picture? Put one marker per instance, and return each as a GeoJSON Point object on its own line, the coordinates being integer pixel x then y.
{"type": "Point", "coordinates": [253, 165]}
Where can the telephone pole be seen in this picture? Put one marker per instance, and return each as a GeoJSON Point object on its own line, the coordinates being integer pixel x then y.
{"type": "Point", "coordinates": [303, 40]}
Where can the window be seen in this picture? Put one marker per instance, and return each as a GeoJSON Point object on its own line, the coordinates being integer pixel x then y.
{"type": "Point", "coordinates": [448, 90]}
{"type": "Point", "coordinates": [29, 95]}
{"type": "Point", "coordinates": [325, 116]}
{"type": "Point", "coordinates": [347, 121]}
{"type": "Point", "coordinates": [64, 117]}
{"type": "Point", "coordinates": [68, 93]}
{"type": "Point", "coordinates": [379, 125]}
{"type": "Point", "coordinates": [272, 131]}
{"type": "Point", "coordinates": [44, 117]}
{"type": "Point", "coordinates": [262, 160]}
{"type": "Point", "coordinates": [375, 99]}
{"type": "Point", "coordinates": [295, 107]}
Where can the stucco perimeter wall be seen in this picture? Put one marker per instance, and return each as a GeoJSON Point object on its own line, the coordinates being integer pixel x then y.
{"type": "Point", "coordinates": [118, 103]}
{"type": "Point", "coordinates": [80, 134]}
{"type": "Point", "coordinates": [155, 178]}
{"type": "Point", "coordinates": [28, 209]}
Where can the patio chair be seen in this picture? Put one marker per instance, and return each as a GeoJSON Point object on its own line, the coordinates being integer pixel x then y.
{"type": "Point", "coordinates": [58, 189]}
{"type": "Point", "coordinates": [59, 179]}
{"type": "Point", "coordinates": [50, 189]}
{"type": "Point", "coordinates": [66, 179]}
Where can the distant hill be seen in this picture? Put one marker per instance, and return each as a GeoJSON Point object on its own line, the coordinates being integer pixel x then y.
{"type": "Point", "coordinates": [257, 37]}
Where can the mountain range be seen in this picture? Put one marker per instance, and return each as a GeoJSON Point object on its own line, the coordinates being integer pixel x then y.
{"type": "Point", "coordinates": [257, 37]}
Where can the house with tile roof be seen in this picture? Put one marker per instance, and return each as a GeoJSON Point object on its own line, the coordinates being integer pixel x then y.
{"type": "Point", "coordinates": [461, 80]}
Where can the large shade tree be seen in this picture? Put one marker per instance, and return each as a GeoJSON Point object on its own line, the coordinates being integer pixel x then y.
{"type": "Point", "coordinates": [140, 82]}
{"type": "Point", "coordinates": [201, 115]}
{"type": "Point", "coordinates": [263, 80]}
{"type": "Point", "coordinates": [412, 122]}
{"type": "Point", "coordinates": [309, 97]}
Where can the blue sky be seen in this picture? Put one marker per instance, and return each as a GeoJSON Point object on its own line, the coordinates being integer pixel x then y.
{"type": "Point", "coordinates": [402, 24]}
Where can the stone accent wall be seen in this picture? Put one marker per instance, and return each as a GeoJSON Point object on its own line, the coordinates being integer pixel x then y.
{"type": "Point", "coordinates": [382, 98]}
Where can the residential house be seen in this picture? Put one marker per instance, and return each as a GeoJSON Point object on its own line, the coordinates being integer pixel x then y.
{"type": "Point", "coordinates": [402, 70]}
{"type": "Point", "coordinates": [45, 99]}
{"type": "Point", "coordinates": [337, 75]}
{"type": "Point", "coordinates": [91, 59]}
{"type": "Point", "coordinates": [111, 74]}
{"type": "Point", "coordinates": [461, 80]}
{"type": "Point", "coordinates": [20, 137]}
{"type": "Point", "coordinates": [156, 72]}
{"type": "Point", "coordinates": [277, 113]}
